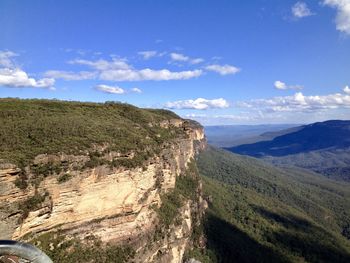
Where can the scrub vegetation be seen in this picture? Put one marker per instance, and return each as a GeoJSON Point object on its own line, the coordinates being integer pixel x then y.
{"type": "Point", "coordinates": [186, 188]}
{"type": "Point", "coordinates": [32, 127]}
{"type": "Point", "coordinates": [72, 250]}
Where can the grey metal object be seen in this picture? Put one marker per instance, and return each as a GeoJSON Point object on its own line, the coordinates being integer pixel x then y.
{"type": "Point", "coordinates": [23, 250]}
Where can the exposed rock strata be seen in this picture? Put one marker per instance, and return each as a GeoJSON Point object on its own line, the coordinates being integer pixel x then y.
{"type": "Point", "coordinates": [113, 204]}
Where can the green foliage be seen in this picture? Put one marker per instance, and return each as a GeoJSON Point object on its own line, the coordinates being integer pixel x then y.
{"type": "Point", "coordinates": [32, 203]}
{"type": "Point", "coordinates": [171, 202]}
{"type": "Point", "coordinates": [202, 255]}
{"type": "Point", "coordinates": [258, 213]}
{"type": "Point", "coordinates": [21, 181]}
{"type": "Point", "coordinates": [64, 178]}
{"type": "Point", "coordinates": [332, 163]}
{"type": "Point", "coordinates": [186, 186]}
{"type": "Point", "coordinates": [32, 127]}
{"type": "Point", "coordinates": [197, 250]}
{"type": "Point", "coordinates": [63, 250]}
{"type": "Point", "coordinates": [134, 162]}
{"type": "Point", "coordinates": [94, 161]}
{"type": "Point", "coordinates": [185, 189]}
{"type": "Point", "coordinates": [46, 169]}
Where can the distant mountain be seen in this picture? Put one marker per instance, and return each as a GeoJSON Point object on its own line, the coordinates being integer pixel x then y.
{"type": "Point", "coordinates": [233, 135]}
{"type": "Point", "coordinates": [332, 163]}
{"type": "Point", "coordinates": [260, 213]}
{"type": "Point", "coordinates": [274, 134]}
{"type": "Point", "coordinates": [322, 147]}
{"type": "Point", "coordinates": [318, 136]}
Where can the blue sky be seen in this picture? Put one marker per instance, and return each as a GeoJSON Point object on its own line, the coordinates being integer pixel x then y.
{"type": "Point", "coordinates": [219, 62]}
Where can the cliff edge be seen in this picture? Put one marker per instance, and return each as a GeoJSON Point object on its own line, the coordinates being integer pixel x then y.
{"type": "Point", "coordinates": [69, 188]}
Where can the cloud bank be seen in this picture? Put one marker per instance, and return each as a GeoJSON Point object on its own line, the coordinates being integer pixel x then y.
{"type": "Point", "coordinates": [177, 57]}
{"type": "Point", "coordinates": [14, 77]}
{"type": "Point", "coordinates": [299, 103]}
{"type": "Point", "coordinates": [147, 54]}
{"type": "Point", "coordinates": [116, 89]}
{"type": "Point", "coordinates": [120, 70]}
{"type": "Point", "coordinates": [223, 69]}
{"type": "Point", "coordinates": [69, 75]}
{"type": "Point", "coordinates": [110, 89]}
{"type": "Point", "coordinates": [198, 104]}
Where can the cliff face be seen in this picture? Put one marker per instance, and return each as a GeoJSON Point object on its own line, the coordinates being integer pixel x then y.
{"type": "Point", "coordinates": [116, 205]}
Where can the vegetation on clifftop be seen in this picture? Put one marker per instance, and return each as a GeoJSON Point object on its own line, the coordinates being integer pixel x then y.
{"type": "Point", "coordinates": [32, 127]}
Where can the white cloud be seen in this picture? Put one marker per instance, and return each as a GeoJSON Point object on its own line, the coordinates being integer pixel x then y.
{"type": "Point", "coordinates": [14, 77]}
{"type": "Point", "coordinates": [147, 54]}
{"type": "Point", "coordinates": [119, 70]}
{"type": "Point", "coordinates": [300, 10]}
{"type": "Point", "coordinates": [102, 64]}
{"type": "Point", "coordinates": [280, 85]}
{"type": "Point", "coordinates": [234, 117]}
{"type": "Point", "coordinates": [18, 78]}
{"type": "Point", "coordinates": [196, 60]}
{"type": "Point", "coordinates": [116, 89]}
{"type": "Point", "coordinates": [182, 58]}
{"type": "Point", "coordinates": [178, 57]}
{"type": "Point", "coordinates": [148, 74]}
{"type": "Point", "coordinates": [287, 109]}
{"type": "Point", "coordinates": [198, 104]}
{"type": "Point", "coordinates": [283, 86]}
{"type": "Point", "coordinates": [136, 90]}
{"type": "Point", "coordinates": [299, 103]}
{"type": "Point", "coordinates": [224, 119]}
{"type": "Point", "coordinates": [5, 58]}
{"type": "Point", "coordinates": [110, 89]}
{"type": "Point", "coordinates": [223, 69]}
{"type": "Point", "coordinates": [342, 19]}
{"type": "Point", "coordinates": [68, 75]}
{"type": "Point", "coordinates": [194, 115]}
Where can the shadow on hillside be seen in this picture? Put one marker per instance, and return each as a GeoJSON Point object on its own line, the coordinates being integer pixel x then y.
{"type": "Point", "coordinates": [232, 245]}
{"type": "Point", "coordinates": [288, 222]}
{"type": "Point", "coordinates": [302, 237]}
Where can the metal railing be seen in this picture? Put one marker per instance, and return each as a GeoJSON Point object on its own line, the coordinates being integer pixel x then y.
{"type": "Point", "coordinates": [24, 251]}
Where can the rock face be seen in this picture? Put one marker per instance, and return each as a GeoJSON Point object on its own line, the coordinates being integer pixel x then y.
{"type": "Point", "coordinates": [113, 204]}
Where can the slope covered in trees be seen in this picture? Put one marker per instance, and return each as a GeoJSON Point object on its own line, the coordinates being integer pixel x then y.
{"type": "Point", "coordinates": [258, 213]}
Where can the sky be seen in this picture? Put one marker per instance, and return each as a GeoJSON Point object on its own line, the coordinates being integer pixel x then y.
{"type": "Point", "coordinates": [219, 62]}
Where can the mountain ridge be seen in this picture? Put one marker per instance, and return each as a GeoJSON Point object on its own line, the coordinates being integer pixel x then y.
{"type": "Point", "coordinates": [316, 136]}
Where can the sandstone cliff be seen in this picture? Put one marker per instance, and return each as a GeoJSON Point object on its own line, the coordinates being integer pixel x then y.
{"type": "Point", "coordinates": [112, 204]}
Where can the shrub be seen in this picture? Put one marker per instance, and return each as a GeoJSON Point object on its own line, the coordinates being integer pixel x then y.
{"type": "Point", "coordinates": [21, 181]}
{"type": "Point", "coordinates": [185, 188]}
{"type": "Point", "coordinates": [32, 203]}
{"type": "Point", "coordinates": [46, 169]}
{"type": "Point", "coordinates": [64, 178]}
{"type": "Point", "coordinates": [62, 250]}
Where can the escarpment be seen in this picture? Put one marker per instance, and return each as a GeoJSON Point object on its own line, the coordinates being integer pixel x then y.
{"type": "Point", "coordinates": [145, 194]}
